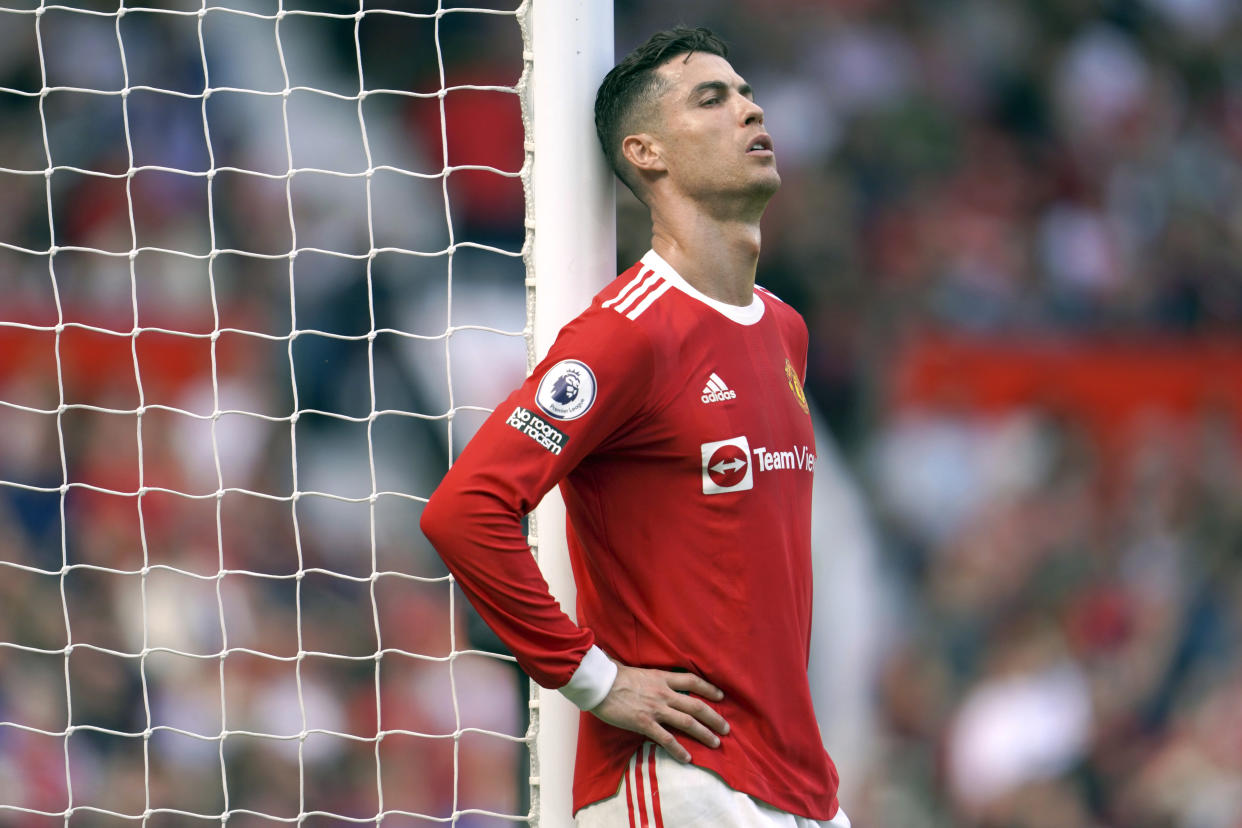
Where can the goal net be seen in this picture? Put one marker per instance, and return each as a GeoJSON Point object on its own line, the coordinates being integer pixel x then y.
{"type": "Point", "coordinates": [263, 273]}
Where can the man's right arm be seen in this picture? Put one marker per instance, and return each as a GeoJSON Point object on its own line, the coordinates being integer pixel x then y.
{"type": "Point", "coordinates": [591, 383]}
{"type": "Point", "coordinates": [479, 536]}
{"type": "Point", "coordinates": [474, 521]}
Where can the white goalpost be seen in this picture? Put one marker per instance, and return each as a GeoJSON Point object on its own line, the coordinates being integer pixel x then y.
{"type": "Point", "coordinates": [265, 266]}
{"type": "Point", "coordinates": [573, 255]}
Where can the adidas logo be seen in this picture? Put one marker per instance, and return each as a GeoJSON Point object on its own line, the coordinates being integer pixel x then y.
{"type": "Point", "coordinates": [716, 390]}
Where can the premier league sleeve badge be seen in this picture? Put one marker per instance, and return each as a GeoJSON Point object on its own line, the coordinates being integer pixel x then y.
{"type": "Point", "coordinates": [567, 390]}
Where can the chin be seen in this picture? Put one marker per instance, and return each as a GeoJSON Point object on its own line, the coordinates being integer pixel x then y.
{"type": "Point", "coordinates": [768, 184]}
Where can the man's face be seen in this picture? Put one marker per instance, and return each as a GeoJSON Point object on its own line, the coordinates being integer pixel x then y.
{"type": "Point", "coordinates": [711, 130]}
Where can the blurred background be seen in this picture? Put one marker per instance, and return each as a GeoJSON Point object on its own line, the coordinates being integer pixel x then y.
{"type": "Point", "coordinates": [1014, 229]}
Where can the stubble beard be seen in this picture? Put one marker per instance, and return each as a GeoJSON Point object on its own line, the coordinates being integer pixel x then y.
{"type": "Point", "coordinates": [753, 196]}
{"type": "Point", "coordinates": [743, 196]}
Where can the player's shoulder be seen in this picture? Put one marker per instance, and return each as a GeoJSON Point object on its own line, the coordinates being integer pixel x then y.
{"type": "Point", "coordinates": [774, 301]}
{"type": "Point", "coordinates": [653, 297]}
{"type": "Point", "coordinates": [644, 297]}
{"type": "Point", "coordinates": [628, 314]}
{"type": "Point", "coordinates": [601, 330]}
{"type": "Point", "coordinates": [634, 292]}
{"type": "Point", "coordinates": [780, 309]}
{"type": "Point", "coordinates": [767, 294]}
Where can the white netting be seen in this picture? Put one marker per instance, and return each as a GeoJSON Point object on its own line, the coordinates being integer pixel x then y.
{"type": "Point", "coordinates": [250, 308]}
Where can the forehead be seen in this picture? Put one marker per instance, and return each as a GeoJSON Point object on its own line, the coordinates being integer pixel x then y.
{"type": "Point", "coordinates": [682, 74]}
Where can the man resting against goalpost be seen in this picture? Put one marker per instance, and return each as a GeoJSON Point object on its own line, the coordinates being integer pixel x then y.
{"type": "Point", "coordinates": [672, 415]}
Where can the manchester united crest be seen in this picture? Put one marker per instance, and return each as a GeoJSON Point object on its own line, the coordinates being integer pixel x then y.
{"type": "Point", "coordinates": [795, 385]}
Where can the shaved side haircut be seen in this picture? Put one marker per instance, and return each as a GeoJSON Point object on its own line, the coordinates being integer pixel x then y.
{"type": "Point", "coordinates": [632, 88]}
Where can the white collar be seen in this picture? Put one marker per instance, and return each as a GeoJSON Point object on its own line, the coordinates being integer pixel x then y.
{"type": "Point", "coordinates": [743, 315]}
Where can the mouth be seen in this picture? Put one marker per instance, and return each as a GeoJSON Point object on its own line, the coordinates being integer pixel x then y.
{"type": "Point", "coordinates": [760, 145]}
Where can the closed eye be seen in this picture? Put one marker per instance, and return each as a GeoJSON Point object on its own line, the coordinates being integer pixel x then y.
{"type": "Point", "coordinates": [714, 92]}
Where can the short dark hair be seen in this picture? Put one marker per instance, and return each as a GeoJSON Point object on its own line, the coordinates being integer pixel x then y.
{"type": "Point", "coordinates": [633, 82]}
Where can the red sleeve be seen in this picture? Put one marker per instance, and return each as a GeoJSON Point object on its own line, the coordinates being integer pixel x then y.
{"type": "Point", "coordinates": [595, 378]}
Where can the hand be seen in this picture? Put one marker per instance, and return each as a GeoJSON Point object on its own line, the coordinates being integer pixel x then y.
{"type": "Point", "coordinates": [645, 701]}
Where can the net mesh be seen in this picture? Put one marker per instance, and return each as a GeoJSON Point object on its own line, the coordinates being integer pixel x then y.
{"type": "Point", "coordinates": [262, 275]}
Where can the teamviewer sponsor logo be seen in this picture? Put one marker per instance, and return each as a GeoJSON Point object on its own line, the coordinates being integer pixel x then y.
{"type": "Point", "coordinates": [727, 466]}
{"type": "Point", "coordinates": [716, 390]}
{"type": "Point", "coordinates": [799, 457]}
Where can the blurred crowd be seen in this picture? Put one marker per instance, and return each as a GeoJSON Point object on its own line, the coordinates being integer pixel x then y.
{"type": "Point", "coordinates": [1058, 575]}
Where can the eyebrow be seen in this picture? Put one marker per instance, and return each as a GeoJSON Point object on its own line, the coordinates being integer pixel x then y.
{"type": "Point", "coordinates": [720, 87]}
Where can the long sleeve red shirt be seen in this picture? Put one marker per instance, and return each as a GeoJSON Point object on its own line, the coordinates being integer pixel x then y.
{"type": "Point", "coordinates": [677, 429]}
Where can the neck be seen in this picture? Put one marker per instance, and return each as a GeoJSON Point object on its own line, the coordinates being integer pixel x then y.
{"type": "Point", "coordinates": [717, 254]}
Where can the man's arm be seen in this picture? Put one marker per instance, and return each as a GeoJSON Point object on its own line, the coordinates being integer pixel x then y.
{"type": "Point", "coordinates": [504, 584]}
{"type": "Point", "coordinates": [474, 521]}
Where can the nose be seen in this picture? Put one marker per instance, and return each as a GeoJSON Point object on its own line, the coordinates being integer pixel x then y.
{"type": "Point", "coordinates": [752, 113]}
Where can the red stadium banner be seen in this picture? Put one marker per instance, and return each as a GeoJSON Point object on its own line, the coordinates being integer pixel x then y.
{"type": "Point", "coordinates": [1104, 382]}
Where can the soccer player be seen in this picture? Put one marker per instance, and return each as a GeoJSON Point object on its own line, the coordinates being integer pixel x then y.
{"type": "Point", "coordinates": [672, 415]}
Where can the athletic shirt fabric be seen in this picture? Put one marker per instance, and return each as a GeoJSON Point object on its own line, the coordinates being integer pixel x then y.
{"type": "Point", "coordinates": [677, 429]}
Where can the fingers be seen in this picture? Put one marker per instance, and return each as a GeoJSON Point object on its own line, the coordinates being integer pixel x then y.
{"type": "Point", "coordinates": [687, 724]}
{"type": "Point", "coordinates": [656, 703]}
{"type": "Point", "coordinates": [692, 727]}
{"type": "Point", "coordinates": [690, 683]}
{"type": "Point", "coordinates": [701, 712]}
{"type": "Point", "coordinates": [665, 740]}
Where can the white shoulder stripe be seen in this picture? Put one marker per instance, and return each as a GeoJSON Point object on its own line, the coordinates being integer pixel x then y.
{"type": "Point", "coordinates": [641, 273]}
{"type": "Point", "coordinates": [650, 298]}
{"type": "Point", "coordinates": [651, 279]}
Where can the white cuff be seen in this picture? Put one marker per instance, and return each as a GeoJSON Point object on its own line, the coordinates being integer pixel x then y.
{"type": "Point", "coordinates": [592, 680]}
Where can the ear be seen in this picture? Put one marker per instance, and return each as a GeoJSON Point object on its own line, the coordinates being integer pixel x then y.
{"type": "Point", "coordinates": [644, 152]}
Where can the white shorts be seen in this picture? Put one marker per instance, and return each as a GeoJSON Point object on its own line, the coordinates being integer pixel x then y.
{"type": "Point", "coordinates": [660, 792]}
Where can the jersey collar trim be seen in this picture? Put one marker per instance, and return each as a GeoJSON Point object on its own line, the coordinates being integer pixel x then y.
{"type": "Point", "coordinates": [748, 315]}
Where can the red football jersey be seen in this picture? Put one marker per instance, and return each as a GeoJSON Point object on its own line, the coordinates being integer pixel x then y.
{"type": "Point", "coordinates": [677, 429]}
